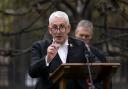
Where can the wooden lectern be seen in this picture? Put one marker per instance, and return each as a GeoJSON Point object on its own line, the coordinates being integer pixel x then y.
{"type": "Point", "coordinates": [79, 71]}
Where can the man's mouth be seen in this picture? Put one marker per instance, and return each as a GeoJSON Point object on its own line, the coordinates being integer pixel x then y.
{"type": "Point", "coordinates": [59, 36]}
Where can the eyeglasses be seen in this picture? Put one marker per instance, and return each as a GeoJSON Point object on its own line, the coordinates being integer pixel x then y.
{"type": "Point", "coordinates": [60, 28]}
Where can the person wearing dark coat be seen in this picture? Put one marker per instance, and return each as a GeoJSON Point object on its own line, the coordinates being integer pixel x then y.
{"type": "Point", "coordinates": [84, 32]}
{"type": "Point", "coordinates": [47, 55]}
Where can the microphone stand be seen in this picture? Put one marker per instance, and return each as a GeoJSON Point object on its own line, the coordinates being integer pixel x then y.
{"type": "Point", "coordinates": [91, 86]}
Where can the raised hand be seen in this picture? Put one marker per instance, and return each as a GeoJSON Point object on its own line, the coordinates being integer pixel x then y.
{"type": "Point", "coordinates": [52, 51]}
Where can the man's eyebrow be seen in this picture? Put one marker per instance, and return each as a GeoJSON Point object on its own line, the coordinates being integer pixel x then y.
{"type": "Point", "coordinates": [59, 24]}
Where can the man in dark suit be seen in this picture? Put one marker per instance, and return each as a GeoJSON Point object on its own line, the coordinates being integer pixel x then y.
{"type": "Point", "coordinates": [47, 55]}
{"type": "Point", "coordinates": [84, 32]}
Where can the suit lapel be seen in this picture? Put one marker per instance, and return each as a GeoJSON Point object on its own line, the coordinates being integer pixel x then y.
{"type": "Point", "coordinates": [71, 47]}
{"type": "Point", "coordinates": [55, 63]}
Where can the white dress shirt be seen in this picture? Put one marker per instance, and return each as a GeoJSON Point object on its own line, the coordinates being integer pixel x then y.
{"type": "Point", "coordinates": [63, 51]}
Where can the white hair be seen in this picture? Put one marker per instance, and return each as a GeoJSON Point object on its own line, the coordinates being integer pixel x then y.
{"type": "Point", "coordinates": [58, 14]}
{"type": "Point", "coordinates": [86, 24]}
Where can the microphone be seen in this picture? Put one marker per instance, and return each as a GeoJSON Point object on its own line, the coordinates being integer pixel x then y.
{"type": "Point", "coordinates": [91, 55]}
{"type": "Point", "coordinates": [88, 56]}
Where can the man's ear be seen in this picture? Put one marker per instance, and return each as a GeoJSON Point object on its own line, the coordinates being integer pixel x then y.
{"type": "Point", "coordinates": [49, 30]}
{"type": "Point", "coordinates": [69, 28]}
{"type": "Point", "coordinates": [76, 33]}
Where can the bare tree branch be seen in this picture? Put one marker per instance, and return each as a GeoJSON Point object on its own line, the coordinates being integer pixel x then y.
{"type": "Point", "coordinates": [15, 13]}
{"type": "Point", "coordinates": [73, 10]}
{"type": "Point", "coordinates": [123, 1]}
{"type": "Point", "coordinates": [111, 38]}
{"type": "Point", "coordinates": [24, 30]}
{"type": "Point", "coordinates": [86, 5]}
{"type": "Point", "coordinates": [117, 53]}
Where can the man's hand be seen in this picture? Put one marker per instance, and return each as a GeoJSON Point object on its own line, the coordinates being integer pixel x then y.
{"type": "Point", "coordinates": [52, 51]}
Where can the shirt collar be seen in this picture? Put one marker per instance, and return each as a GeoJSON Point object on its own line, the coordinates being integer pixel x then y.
{"type": "Point", "coordinates": [66, 43]}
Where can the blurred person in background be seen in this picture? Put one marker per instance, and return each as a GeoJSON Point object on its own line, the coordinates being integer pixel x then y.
{"type": "Point", "coordinates": [84, 32]}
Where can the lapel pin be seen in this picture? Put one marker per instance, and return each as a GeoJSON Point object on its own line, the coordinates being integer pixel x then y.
{"type": "Point", "coordinates": [70, 45]}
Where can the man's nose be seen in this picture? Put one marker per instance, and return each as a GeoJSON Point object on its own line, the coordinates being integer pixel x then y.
{"type": "Point", "coordinates": [83, 37]}
{"type": "Point", "coordinates": [58, 30]}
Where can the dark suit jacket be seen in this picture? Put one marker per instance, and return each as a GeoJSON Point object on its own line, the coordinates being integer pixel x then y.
{"type": "Point", "coordinates": [38, 68]}
{"type": "Point", "coordinates": [97, 54]}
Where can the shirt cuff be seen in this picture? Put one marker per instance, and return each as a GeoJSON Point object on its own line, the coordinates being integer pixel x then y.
{"type": "Point", "coordinates": [46, 60]}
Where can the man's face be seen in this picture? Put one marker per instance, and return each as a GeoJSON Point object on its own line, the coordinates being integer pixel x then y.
{"type": "Point", "coordinates": [59, 30]}
{"type": "Point", "coordinates": [84, 34]}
